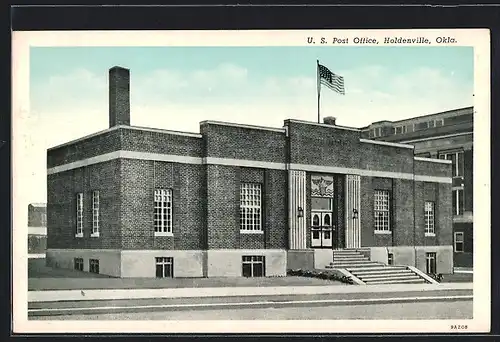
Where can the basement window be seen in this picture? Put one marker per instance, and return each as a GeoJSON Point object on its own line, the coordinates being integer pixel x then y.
{"type": "Point", "coordinates": [78, 264]}
{"type": "Point", "coordinates": [164, 267]}
{"type": "Point", "coordinates": [94, 266]}
{"type": "Point", "coordinates": [253, 266]}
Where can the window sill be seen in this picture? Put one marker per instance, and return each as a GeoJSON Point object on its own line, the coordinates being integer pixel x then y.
{"type": "Point", "coordinates": [94, 235]}
{"type": "Point", "coordinates": [430, 234]}
{"type": "Point", "coordinates": [382, 232]}
{"type": "Point", "coordinates": [163, 234]}
{"type": "Point", "coordinates": [79, 235]}
{"type": "Point", "coordinates": [251, 232]}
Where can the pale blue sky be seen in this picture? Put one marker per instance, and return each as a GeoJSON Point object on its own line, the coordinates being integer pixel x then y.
{"type": "Point", "coordinates": [259, 63]}
{"type": "Point", "coordinates": [177, 87]}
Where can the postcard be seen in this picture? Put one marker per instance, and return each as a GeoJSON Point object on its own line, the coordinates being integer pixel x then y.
{"type": "Point", "coordinates": [298, 181]}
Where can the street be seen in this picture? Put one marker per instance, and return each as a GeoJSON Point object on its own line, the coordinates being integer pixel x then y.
{"type": "Point", "coordinates": [405, 310]}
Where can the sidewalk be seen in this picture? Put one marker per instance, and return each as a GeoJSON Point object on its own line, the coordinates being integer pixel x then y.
{"type": "Point", "coordinates": [76, 295]}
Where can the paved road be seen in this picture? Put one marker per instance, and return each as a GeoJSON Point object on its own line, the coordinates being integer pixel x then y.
{"type": "Point", "coordinates": [411, 310]}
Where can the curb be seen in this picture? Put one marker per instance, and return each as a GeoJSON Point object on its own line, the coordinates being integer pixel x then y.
{"type": "Point", "coordinates": [77, 295]}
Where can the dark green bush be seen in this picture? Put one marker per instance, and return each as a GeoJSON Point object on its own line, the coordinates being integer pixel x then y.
{"type": "Point", "coordinates": [326, 275]}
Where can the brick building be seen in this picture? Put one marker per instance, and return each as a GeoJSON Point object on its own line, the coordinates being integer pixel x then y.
{"type": "Point", "coordinates": [239, 200]}
{"type": "Point", "coordinates": [37, 228]}
{"type": "Point", "coordinates": [446, 135]}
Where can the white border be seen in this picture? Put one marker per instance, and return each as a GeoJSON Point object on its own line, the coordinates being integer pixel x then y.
{"type": "Point", "coordinates": [479, 39]}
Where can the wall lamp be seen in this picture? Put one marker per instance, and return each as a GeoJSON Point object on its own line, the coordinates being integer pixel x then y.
{"type": "Point", "coordinates": [300, 212]}
{"type": "Point", "coordinates": [355, 214]}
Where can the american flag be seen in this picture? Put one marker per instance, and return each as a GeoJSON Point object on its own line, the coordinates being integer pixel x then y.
{"type": "Point", "coordinates": [329, 79]}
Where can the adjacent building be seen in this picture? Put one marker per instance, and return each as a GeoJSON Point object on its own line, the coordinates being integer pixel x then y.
{"type": "Point", "coordinates": [37, 229]}
{"type": "Point", "coordinates": [241, 200]}
{"type": "Point", "coordinates": [447, 136]}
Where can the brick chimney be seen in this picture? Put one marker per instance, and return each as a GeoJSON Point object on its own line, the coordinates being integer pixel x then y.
{"type": "Point", "coordinates": [119, 96]}
{"type": "Point", "coordinates": [329, 120]}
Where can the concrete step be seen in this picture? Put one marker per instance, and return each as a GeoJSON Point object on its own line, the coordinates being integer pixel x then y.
{"type": "Point", "coordinates": [381, 271]}
{"type": "Point", "coordinates": [351, 261]}
{"type": "Point", "coordinates": [400, 281]}
{"type": "Point", "coordinates": [373, 267]}
{"type": "Point", "coordinates": [353, 266]}
{"type": "Point", "coordinates": [388, 277]}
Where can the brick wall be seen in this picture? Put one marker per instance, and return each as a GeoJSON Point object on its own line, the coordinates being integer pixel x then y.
{"type": "Point", "coordinates": [61, 206]}
{"type": "Point", "coordinates": [444, 217]}
{"type": "Point", "coordinates": [223, 196]}
{"type": "Point", "coordinates": [139, 179]}
{"type": "Point", "coordinates": [161, 142]}
{"type": "Point", "coordinates": [432, 169]}
{"type": "Point", "coordinates": [468, 180]}
{"type": "Point", "coordinates": [403, 203]}
{"type": "Point", "coordinates": [244, 143]}
{"type": "Point", "coordinates": [331, 146]}
{"type": "Point", "coordinates": [366, 212]}
{"type": "Point", "coordinates": [103, 143]}
{"type": "Point", "coordinates": [276, 208]}
{"type": "Point", "coordinates": [129, 139]}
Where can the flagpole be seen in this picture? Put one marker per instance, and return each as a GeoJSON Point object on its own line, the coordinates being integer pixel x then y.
{"type": "Point", "coordinates": [318, 84]}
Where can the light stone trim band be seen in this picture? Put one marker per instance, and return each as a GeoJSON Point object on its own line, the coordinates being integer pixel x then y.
{"type": "Point", "coordinates": [240, 163]}
{"type": "Point", "coordinates": [352, 171]}
{"type": "Point", "coordinates": [433, 179]}
{"type": "Point", "coordinates": [433, 160]}
{"type": "Point", "coordinates": [127, 155]}
{"type": "Point", "coordinates": [385, 143]}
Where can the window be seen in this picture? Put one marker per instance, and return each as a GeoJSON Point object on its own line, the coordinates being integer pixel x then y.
{"type": "Point", "coordinates": [94, 265]}
{"type": "Point", "coordinates": [390, 259]}
{"type": "Point", "coordinates": [79, 214]}
{"type": "Point", "coordinates": [457, 162]}
{"type": "Point", "coordinates": [43, 219]}
{"type": "Point", "coordinates": [163, 211]}
{"type": "Point", "coordinates": [430, 262]}
{"type": "Point", "coordinates": [429, 218]}
{"type": "Point", "coordinates": [439, 122]}
{"type": "Point", "coordinates": [95, 213]}
{"type": "Point", "coordinates": [377, 132]}
{"type": "Point", "coordinates": [420, 126]}
{"type": "Point", "coordinates": [459, 242]}
{"type": "Point", "coordinates": [382, 211]}
{"type": "Point", "coordinates": [400, 130]}
{"type": "Point", "coordinates": [458, 201]}
{"type": "Point", "coordinates": [253, 266]}
{"type": "Point", "coordinates": [250, 207]}
{"type": "Point", "coordinates": [164, 267]}
{"type": "Point", "coordinates": [78, 264]}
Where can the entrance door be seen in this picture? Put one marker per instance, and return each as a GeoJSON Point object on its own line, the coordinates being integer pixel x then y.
{"type": "Point", "coordinates": [321, 229]}
{"type": "Point", "coordinates": [353, 212]}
